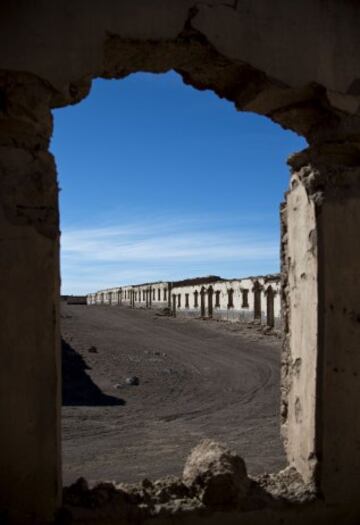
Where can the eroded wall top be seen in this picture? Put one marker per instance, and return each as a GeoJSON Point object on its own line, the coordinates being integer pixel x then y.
{"type": "Point", "coordinates": [293, 61]}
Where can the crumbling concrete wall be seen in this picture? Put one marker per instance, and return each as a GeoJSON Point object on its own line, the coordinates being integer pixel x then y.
{"type": "Point", "coordinates": [30, 469]}
{"type": "Point", "coordinates": [109, 296]}
{"type": "Point", "coordinates": [242, 308]}
{"type": "Point", "coordinates": [151, 295]}
{"type": "Point", "coordinates": [136, 296]}
{"type": "Point", "coordinates": [299, 367]}
{"type": "Point", "coordinates": [91, 298]}
{"type": "Point", "coordinates": [159, 295]}
{"type": "Point", "coordinates": [321, 362]}
{"type": "Point", "coordinates": [126, 295]}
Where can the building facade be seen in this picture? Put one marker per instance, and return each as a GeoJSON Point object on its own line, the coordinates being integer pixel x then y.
{"type": "Point", "coordinates": [250, 299]}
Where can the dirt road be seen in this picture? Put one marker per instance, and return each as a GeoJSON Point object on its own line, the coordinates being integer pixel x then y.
{"type": "Point", "coordinates": [197, 379]}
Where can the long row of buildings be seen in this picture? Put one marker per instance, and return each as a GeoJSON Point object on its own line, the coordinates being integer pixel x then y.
{"type": "Point", "coordinates": [249, 299]}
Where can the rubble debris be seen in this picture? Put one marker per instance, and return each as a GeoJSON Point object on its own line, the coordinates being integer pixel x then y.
{"type": "Point", "coordinates": [216, 473]}
{"type": "Point", "coordinates": [213, 476]}
{"type": "Point", "coordinates": [287, 485]}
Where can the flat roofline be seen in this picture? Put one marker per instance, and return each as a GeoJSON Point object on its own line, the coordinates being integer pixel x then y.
{"type": "Point", "coordinates": [193, 281]}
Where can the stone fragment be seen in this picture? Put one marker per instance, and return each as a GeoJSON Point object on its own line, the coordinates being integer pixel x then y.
{"type": "Point", "coordinates": [217, 474]}
{"type": "Point", "coordinates": [170, 488]}
{"type": "Point", "coordinates": [132, 380]}
{"type": "Point", "coordinates": [93, 350]}
{"type": "Point", "coordinates": [77, 494]}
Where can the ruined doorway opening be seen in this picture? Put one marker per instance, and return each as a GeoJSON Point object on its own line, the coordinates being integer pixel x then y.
{"type": "Point", "coordinates": [210, 301]}
{"type": "Point", "coordinates": [202, 302]}
{"type": "Point", "coordinates": [270, 320]}
{"type": "Point", "coordinates": [205, 308]}
{"type": "Point", "coordinates": [257, 301]}
{"type": "Point", "coordinates": [311, 111]}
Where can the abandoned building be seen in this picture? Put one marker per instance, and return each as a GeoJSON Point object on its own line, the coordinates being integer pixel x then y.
{"type": "Point", "coordinates": [250, 299]}
{"type": "Point", "coordinates": [296, 63]}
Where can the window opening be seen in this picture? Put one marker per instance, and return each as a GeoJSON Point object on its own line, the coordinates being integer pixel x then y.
{"type": "Point", "coordinates": [257, 300]}
{"type": "Point", "coordinates": [202, 302]}
{"type": "Point", "coordinates": [217, 298]}
{"type": "Point", "coordinates": [196, 299]}
{"type": "Point", "coordinates": [245, 298]}
{"type": "Point", "coordinates": [210, 301]}
{"type": "Point", "coordinates": [270, 317]}
{"type": "Point", "coordinates": [230, 298]}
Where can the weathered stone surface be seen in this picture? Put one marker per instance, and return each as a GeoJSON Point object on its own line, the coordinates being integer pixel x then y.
{"type": "Point", "coordinates": [29, 338]}
{"type": "Point", "coordinates": [287, 485]}
{"type": "Point", "coordinates": [216, 473]}
{"type": "Point", "coordinates": [188, 37]}
{"type": "Point", "coordinates": [320, 276]}
{"type": "Point", "coordinates": [104, 503]}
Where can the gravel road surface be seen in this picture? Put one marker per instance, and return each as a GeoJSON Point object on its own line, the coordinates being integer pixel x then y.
{"type": "Point", "coordinates": [197, 379]}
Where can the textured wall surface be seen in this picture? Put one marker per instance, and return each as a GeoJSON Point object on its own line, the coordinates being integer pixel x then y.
{"type": "Point", "coordinates": [300, 361]}
{"type": "Point", "coordinates": [30, 470]}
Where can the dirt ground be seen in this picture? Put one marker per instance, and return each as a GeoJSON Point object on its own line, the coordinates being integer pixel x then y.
{"type": "Point", "coordinates": [197, 379]}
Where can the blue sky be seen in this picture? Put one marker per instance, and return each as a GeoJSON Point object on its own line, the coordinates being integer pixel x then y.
{"type": "Point", "coordinates": [161, 181]}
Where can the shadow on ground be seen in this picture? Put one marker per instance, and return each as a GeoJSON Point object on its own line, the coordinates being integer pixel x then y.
{"type": "Point", "coordinates": [78, 389]}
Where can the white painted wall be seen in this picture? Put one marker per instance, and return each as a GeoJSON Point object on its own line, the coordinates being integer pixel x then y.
{"type": "Point", "coordinates": [151, 295]}
{"type": "Point", "coordinates": [240, 310]}
{"type": "Point", "coordinates": [160, 294]}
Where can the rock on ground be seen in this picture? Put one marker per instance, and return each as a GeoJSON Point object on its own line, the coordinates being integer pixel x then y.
{"type": "Point", "coordinates": [216, 473]}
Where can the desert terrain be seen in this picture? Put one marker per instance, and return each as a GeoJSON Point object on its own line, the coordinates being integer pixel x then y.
{"type": "Point", "coordinates": [196, 379]}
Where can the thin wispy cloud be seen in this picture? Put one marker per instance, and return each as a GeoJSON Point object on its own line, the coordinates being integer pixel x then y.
{"type": "Point", "coordinates": [163, 248]}
{"type": "Point", "coordinates": [146, 196]}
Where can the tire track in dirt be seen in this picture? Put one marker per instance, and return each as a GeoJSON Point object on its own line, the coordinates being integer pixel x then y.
{"type": "Point", "coordinates": [197, 379]}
